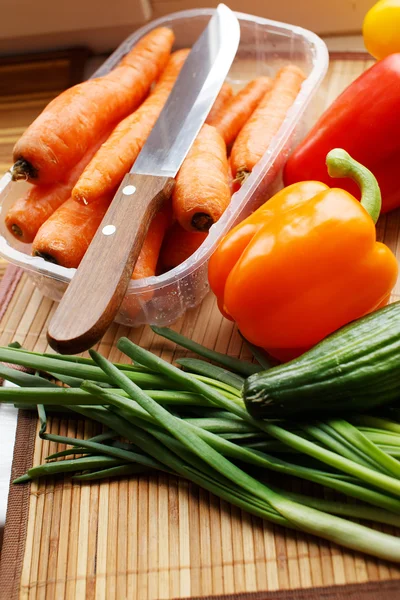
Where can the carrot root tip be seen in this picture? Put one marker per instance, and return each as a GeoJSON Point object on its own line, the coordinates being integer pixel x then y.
{"type": "Point", "coordinates": [241, 176]}
{"type": "Point", "coordinates": [202, 221]}
{"type": "Point", "coordinates": [23, 169]}
{"type": "Point", "coordinates": [16, 230]}
{"type": "Point", "coordinates": [45, 256]}
{"type": "Point", "coordinates": [79, 198]}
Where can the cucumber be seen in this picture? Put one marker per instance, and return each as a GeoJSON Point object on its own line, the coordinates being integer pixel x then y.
{"type": "Point", "coordinates": [354, 369]}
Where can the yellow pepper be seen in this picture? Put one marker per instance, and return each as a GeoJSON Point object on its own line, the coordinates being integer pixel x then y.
{"type": "Point", "coordinates": [306, 263]}
{"type": "Point", "coordinates": [381, 29]}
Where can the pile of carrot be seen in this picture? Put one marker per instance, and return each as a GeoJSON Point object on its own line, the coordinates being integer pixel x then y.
{"type": "Point", "coordinates": [76, 153]}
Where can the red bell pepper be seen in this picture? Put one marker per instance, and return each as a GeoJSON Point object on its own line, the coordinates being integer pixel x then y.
{"type": "Point", "coordinates": [365, 121]}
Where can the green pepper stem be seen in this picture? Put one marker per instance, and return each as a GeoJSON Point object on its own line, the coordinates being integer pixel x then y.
{"type": "Point", "coordinates": [341, 164]}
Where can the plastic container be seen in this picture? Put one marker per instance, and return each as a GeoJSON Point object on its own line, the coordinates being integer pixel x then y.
{"type": "Point", "coordinates": [264, 47]}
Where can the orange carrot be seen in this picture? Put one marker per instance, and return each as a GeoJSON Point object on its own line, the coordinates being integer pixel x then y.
{"type": "Point", "coordinates": [201, 192]}
{"type": "Point", "coordinates": [70, 124]}
{"type": "Point", "coordinates": [178, 245]}
{"type": "Point", "coordinates": [147, 262]}
{"type": "Point", "coordinates": [120, 151]}
{"type": "Point", "coordinates": [64, 238]}
{"type": "Point", "coordinates": [265, 122]}
{"type": "Point", "coordinates": [239, 108]}
{"type": "Point", "coordinates": [29, 212]}
{"type": "Point", "coordinates": [218, 108]}
{"type": "Point", "coordinates": [234, 185]}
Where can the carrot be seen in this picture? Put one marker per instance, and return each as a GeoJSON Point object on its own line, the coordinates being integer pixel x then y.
{"type": "Point", "coordinates": [64, 238]}
{"type": "Point", "coordinates": [256, 135]}
{"type": "Point", "coordinates": [234, 185]}
{"type": "Point", "coordinates": [70, 124]}
{"type": "Point", "coordinates": [147, 262]}
{"type": "Point", "coordinates": [239, 108]}
{"type": "Point", "coordinates": [178, 245]}
{"type": "Point", "coordinates": [119, 152]}
{"type": "Point", "coordinates": [201, 192]}
{"type": "Point", "coordinates": [218, 108]}
{"type": "Point", "coordinates": [29, 212]}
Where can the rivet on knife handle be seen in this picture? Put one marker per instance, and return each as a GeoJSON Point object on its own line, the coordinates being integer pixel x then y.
{"type": "Point", "coordinates": [98, 287]}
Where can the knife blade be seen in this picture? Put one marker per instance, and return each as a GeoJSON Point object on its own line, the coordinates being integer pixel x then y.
{"type": "Point", "coordinates": [97, 288]}
{"type": "Point", "coordinates": [193, 95]}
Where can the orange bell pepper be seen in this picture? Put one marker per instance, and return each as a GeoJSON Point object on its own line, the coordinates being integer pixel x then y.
{"type": "Point", "coordinates": [306, 263]}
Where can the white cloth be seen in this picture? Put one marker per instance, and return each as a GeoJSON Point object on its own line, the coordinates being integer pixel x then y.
{"type": "Point", "coordinates": [8, 425]}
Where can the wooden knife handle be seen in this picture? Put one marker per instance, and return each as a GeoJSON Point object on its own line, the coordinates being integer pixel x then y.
{"type": "Point", "coordinates": [97, 289]}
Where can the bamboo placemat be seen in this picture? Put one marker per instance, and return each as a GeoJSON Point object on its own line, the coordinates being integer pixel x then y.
{"type": "Point", "coordinates": [160, 537]}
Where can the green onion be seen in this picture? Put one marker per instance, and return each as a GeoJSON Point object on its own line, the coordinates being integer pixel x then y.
{"type": "Point", "coordinates": [119, 453]}
{"type": "Point", "coordinates": [366, 474]}
{"type": "Point", "coordinates": [42, 418]}
{"type": "Point", "coordinates": [23, 479]}
{"type": "Point", "coordinates": [120, 471]}
{"type": "Point", "coordinates": [64, 396]}
{"type": "Point", "coordinates": [70, 396]}
{"type": "Point", "coordinates": [105, 436]}
{"type": "Point", "coordinates": [81, 360]}
{"type": "Point", "coordinates": [220, 486]}
{"type": "Point", "coordinates": [335, 481]}
{"type": "Point", "coordinates": [381, 437]}
{"type": "Point", "coordinates": [261, 356]}
{"type": "Point", "coordinates": [234, 364]}
{"type": "Point", "coordinates": [102, 437]}
{"type": "Point", "coordinates": [82, 371]}
{"type": "Point", "coordinates": [194, 365]}
{"type": "Point", "coordinates": [50, 408]}
{"type": "Point", "coordinates": [74, 382]}
{"type": "Point", "coordinates": [229, 391]}
{"type": "Point", "coordinates": [68, 452]}
{"type": "Point", "coordinates": [222, 425]}
{"type": "Point", "coordinates": [356, 511]}
{"type": "Point", "coordinates": [193, 437]}
{"type": "Point", "coordinates": [71, 466]}
{"type": "Point", "coordinates": [329, 437]}
{"type": "Point", "coordinates": [372, 477]}
{"type": "Point", "coordinates": [366, 445]}
{"type": "Point", "coordinates": [392, 450]}
{"type": "Point", "coordinates": [308, 519]}
{"type": "Point", "coordinates": [379, 423]}
{"type": "Point", "coordinates": [23, 379]}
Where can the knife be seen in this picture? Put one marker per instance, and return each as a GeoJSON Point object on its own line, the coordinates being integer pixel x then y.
{"type": "Point", "coordinates": [98, 287]}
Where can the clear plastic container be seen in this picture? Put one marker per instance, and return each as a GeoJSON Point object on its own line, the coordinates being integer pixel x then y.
{"type": "Point", "coordinates": [264, 47]}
